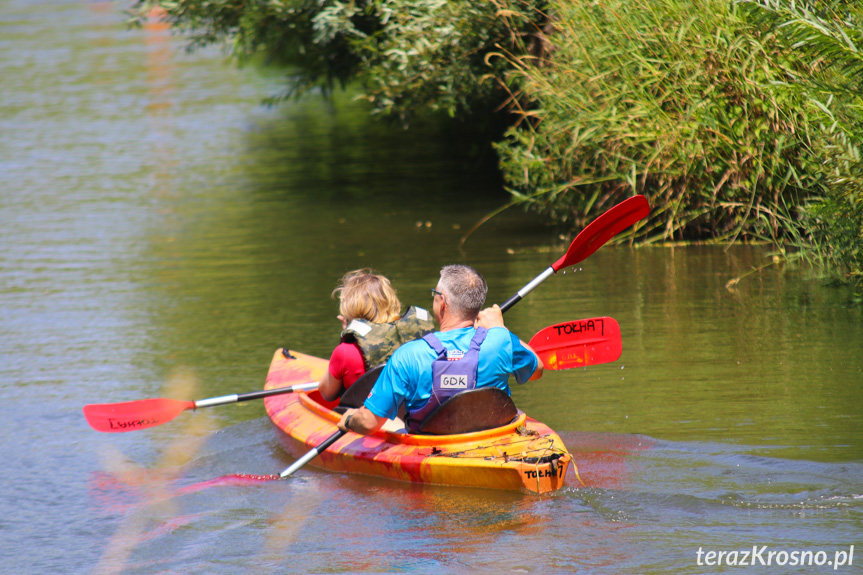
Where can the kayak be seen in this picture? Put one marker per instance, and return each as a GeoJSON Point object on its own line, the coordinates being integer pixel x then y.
{"type": "Point", "coordinates": [523, 455]}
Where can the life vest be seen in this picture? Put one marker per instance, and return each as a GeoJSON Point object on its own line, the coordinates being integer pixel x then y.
{"type": "Point", "coordinates": [378, 341]}
{"type": "Point", "coordinates": [453, 372]}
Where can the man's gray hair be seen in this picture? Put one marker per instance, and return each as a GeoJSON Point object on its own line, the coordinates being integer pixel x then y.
{"type": "Point", "coordinates": [465, 290]}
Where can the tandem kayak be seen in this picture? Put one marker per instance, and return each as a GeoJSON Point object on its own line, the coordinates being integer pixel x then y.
{"type": "Point", "coordinates": [522, 455]}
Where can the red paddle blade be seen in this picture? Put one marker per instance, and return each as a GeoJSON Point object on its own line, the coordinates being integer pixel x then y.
{"type": "Point", "coordinates": [578, 343]}
{"type": "Point", "coordinates": [134, 415]}
{"type": "Point", "coordinates": [603, 229]}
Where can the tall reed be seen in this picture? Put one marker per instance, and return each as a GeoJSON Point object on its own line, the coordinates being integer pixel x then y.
{"type": "Point", "coordinates": [733, 128]}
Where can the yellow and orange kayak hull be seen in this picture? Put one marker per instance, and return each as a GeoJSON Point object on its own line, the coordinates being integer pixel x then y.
{"type": "Point", "coordinates": [523, 455]}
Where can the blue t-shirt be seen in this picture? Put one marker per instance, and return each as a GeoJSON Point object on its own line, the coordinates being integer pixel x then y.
{"type": "Point", "coordinates": [407, 377]}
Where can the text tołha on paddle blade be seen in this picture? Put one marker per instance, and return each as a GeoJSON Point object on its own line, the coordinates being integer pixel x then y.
{"type": "Point", "coordinates": [578, 343]}
{"type": "Point", "coordinates": [134, 415]}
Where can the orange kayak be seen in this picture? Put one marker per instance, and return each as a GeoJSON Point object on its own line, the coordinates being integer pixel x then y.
{"type": "Point", "coordinates": [523, 455]}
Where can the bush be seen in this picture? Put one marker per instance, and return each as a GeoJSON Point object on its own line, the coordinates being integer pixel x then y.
{"type": "Point", "coordinates": [733, 126]}
{"type": "Point", "coordinates": [402, 56]}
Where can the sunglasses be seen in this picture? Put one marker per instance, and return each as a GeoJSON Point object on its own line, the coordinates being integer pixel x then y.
{"type": "Point", "coordinates": [434, 292]}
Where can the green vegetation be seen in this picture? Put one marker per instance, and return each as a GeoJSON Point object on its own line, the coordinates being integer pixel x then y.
{"type": "Point", "coordinates": [405, 56]}
{"type": "Point", "coordinates": [739, 120]}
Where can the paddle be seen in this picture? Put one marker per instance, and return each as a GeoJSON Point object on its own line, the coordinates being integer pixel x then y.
{"type": "Point", "coordinates": [578, 343]}
{"type": "Point", "coordinates": [144, 413]}
{"type": "Point", "coordinates": [590, 239]}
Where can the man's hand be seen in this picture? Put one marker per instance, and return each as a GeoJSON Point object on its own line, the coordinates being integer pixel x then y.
{"type": "Point", "coordinates": [490, 317]}
{"type": "Point", "coordinates": [344, 419]}
{"type": "Point", "coordinates": [363, 421]}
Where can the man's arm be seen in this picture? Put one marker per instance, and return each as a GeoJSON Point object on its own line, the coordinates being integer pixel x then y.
{"type": "Point", "coordinates": [384, 399]}
{"type": "Point", "coordinates": [492, 317]}
{"type": "Point", "coordinates": [361, 421]}
{"type": "Point", "coordinates": [540, 368]}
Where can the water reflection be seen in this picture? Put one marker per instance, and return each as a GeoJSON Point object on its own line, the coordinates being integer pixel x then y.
{"type": "Point", "coordinates": [147, 501]}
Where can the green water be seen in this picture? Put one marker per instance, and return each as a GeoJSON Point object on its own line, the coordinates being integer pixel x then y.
{"type": "Point", "coordinates": [163, 234]}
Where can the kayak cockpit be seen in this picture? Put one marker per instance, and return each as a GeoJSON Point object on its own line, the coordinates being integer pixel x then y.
{"type": "Point", "coordinates": [310, 401]}
{"type": "Point", "coordinates": [474, 410]}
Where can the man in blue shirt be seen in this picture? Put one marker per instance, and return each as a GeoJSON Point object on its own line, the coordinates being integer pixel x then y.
{"type": "Point", "coordinates": [406, 381]}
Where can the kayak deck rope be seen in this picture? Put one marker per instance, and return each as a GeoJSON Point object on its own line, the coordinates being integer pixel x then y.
{"type": "Point", "coordinates": [547, 453]}
{"type": "Point", "coordinates": [528, 450]}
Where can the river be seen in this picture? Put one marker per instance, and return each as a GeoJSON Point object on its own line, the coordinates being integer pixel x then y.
{"type": "Point", "coordinates": [163, 233]}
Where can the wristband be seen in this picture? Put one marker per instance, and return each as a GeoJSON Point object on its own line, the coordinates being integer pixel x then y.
{"type": "Point", "coordinates": [348, 422]}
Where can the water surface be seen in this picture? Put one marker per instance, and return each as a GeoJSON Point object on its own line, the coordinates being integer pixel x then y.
{"type": "Point", "coordinates": [163, 233]}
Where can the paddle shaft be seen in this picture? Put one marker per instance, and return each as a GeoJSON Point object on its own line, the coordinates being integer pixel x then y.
{"type": "Point", "coordinates": [234, 398]}
{"type": "Point", "coordinates": [312, 454]}
{"type": "Point", "coordinates": [590, 239]}
{"type": "Point", "coordinates": [527, 289]}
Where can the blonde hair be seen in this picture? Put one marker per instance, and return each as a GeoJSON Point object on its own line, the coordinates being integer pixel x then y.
{"type": "Point", "coordinates": [366, 295]}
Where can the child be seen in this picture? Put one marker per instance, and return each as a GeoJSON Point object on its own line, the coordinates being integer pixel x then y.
{"type": "Point", "coordinates": [372, 329]}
